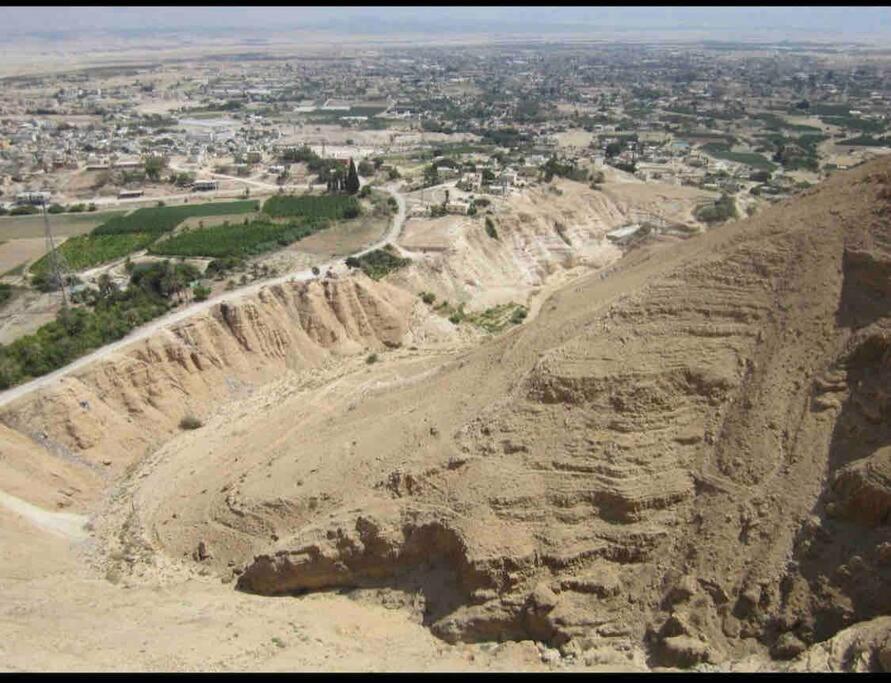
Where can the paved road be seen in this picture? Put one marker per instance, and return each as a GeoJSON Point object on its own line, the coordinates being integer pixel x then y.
{"type": "Point", "coordinates": [196, 308]}
{"type": "Point", "coordinates": [214, 194]}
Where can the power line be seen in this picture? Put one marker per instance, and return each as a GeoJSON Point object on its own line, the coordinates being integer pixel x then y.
{"type": "Point", "coordinates": [57, 260]}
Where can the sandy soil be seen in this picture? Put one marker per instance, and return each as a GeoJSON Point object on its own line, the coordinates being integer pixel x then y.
{"type": "Point", "coordinates": [673, 462]}
{"type": "Point", "coordinates": [27, 312]}
{"type": "Point", "coordinates": [18, 251]}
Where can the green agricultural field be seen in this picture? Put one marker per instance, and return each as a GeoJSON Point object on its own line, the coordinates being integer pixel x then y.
{"type": "Point", "coordinates": [196, 222]}
{"type": "Point", "coordinates": [824, 110]}
{"type": "Point", "coordinates": [777, 123]}
{"type": "Point", "coordinates": [312, 206]}
{"type": "Point", "coordinates": [867, 141]}
{"type": "Point", "coordinates": [240, 240]}
{"type": "Point", "coordinates": [86, 251]}
{"type": "Point", "coordinates": [720, 151]}
{"type": "Point", "coordinates": [157, 220]}
{"type": "Point", "coordinates": [855, 123]}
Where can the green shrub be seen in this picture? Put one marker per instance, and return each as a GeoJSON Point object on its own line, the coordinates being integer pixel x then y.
{"type": "Point", "coordinates": [378, 263]}
{"type": "Point", "coordinates": [428, 297]}
{"type": "Point", "coordinates": [723, 209]}
{"type": "Point", "coordinates": [26, 210]}
{"type": "Point", "coordinates": [372, 358]}
{"type": "Point", "coordinates": [190, 422]}
{"type": "Point", "coordinates": [5, 293]}
{"type": "Point", "coordinates": [490, 229]}
{"type": "Point", "coordinates": [218, 267]}
{"type": "Point", "coordinates": [201, 292]}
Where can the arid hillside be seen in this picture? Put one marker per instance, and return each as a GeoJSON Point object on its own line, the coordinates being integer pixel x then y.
{"type": "Point", "coordinates": [690, 457]}
{"type": "Point", "coordinates": [684, 461]}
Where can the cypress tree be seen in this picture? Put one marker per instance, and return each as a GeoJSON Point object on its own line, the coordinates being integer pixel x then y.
{"type": "Point", "coordinates": [352, 179]}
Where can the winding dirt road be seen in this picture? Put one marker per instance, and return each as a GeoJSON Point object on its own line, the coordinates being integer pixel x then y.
{"type": "Point", "coordinates": [196, 308]}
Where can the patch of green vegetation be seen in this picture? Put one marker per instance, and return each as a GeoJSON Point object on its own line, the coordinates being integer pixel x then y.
{"type": "Point", "coordinates": [823, 110]}
{"type": "Point", "coordinates": [378, 263]}
{"type": "Point", "coordinates": [723, 209]}
{"type": "Point", "coordinates": [108, 315]}
{"type": "Point", "coordinates": [86, 251]}
{"type": "Point", "coordinates": [222, 241]}
{"type": "Point", "coordinates": [312, 206]}
{"type": "Point", "coordinates": [498, 318]}
{"type": "Point", "coordinates": [867, 141]}
{"type": "Point", "coordinates": [201, 292]}
{"type": "Point", "coordinates": [5, 293]}
{"type": "Point", "coordinates": [505, 137]}
{"type": "Point", "coordinates": [797, 153]}
{"type": "Point", "coordinates": [219, 267]}
{"type": "Point", "coordinates": [493, 320]}
{"type": "Point", "coordinates": [774, 122]}
{"type": "Point", "coordinates": [157, 220]}
{"type": "Point", "coordinates": [722, 151]}
{"type": "Point", "coordinates": [324, 169]}
{"type": "Point", "coordinates": [726, 138]}
{"type": "Point", "coordinates": [490, 228]}
{"type": "Point", "coordinates": [855, 123]}
{"type": "Point", "coordinates": [190, 422]}
{"type": "Point", "coordinates": [564, 169]}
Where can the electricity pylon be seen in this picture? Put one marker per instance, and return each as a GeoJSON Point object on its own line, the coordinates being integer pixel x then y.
{"type": "Point", "coordinates": [57, 262]}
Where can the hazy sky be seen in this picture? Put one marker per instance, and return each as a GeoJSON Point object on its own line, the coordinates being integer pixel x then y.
{"type": "Point", "coordinates": [847, 22]}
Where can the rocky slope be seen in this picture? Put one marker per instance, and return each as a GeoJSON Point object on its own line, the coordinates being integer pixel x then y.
{"type": "Point", "coordinates": [684, 463]}
{"type": "Point", "coordinates": [698, 466]}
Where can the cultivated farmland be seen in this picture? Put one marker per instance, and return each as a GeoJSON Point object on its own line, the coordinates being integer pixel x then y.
{"type": "Point", "coordinates": [311, 206]}
{"type": "Point", "coordinates": [164, 219]}
{"type": "Point", "coordinates": [85, 251]}
{"type": "Point", "coordinates": [236, 240]}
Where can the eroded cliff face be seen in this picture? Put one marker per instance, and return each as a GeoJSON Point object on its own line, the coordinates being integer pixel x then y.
{"type": "Point", "coordinates": [539, 235]}
{"type": "Point", "coordinates": [117, 410]}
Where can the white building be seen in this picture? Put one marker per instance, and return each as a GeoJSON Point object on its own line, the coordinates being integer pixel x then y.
{"type": "Point", "coordinates": [35, 198]}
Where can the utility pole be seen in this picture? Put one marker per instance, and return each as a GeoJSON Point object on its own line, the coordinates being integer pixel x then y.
{"type": "Point", "coordinates": [57, 263]}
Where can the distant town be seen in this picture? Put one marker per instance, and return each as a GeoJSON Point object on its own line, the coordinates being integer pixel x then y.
{"type": "Point", "coordinates": [196, 159]}
{"type": "Point", "coordinates": [743, 119]}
